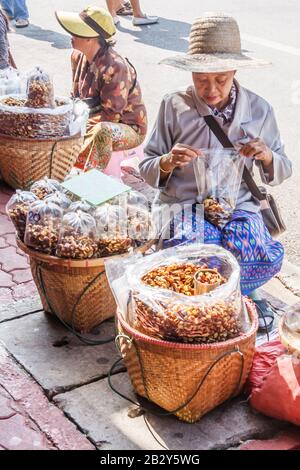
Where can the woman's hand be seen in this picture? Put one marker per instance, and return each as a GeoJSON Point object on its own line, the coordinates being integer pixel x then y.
{"type": "Point", "coordinates": [180, 156]}
{"type": "Point", "coordinates": [259, 150]}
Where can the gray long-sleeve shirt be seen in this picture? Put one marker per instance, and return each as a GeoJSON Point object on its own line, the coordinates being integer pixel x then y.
{"type": "Point", "coordinates": [4, 62]}
{"type": "Point", "coordinates": [180, 120]}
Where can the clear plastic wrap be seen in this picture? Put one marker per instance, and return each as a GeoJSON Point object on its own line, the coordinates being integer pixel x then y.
{"type": "Point", "coordinates": [10, 81]}
{"type": "Point", "coordinates": [292, 319]}
{"type": "Point", "coordinates": [17, 209]}
{"type": "Point", "coordinates": [46, 186]}
{"type": "Point", "coordinates": [18, 120]}
{"type": "Point", "coordinates": [79, 119]}
{"type": "Point", "coordinates": [59, 198]}
{"type": "Point", "coordinates": [77, 236]}
{"type": "Point", "coordinates": [42, 226]}
{"type": "Point", "coordinates": [218, 175]}
{"type": "Point", "coordinates": [81, 206]}
{"type": "Point", "coordinates": [161, 291]}
{"type": "Point", "coordinates": [40, 91]}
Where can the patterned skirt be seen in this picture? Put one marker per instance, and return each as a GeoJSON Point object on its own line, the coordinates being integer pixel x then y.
{"type": "Point", "coordinates": [246, 237]}
{"type": "Point", "coordinates": [102, 139]}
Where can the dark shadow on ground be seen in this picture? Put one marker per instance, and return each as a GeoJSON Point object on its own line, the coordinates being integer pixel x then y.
{"type": "Point", "coordinates": [166, 34]}
{"type": "Point", "coordinates": [57, 40]}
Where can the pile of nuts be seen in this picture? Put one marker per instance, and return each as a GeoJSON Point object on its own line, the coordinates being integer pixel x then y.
{"type": "Point", "coordinates": [10, 101]}
{"type": "Point", "coordinates": [210, 277]}
{"type": "Point", "coordinates": [216, 212]}
{"type": "Point", "coordinates": [32, 125]}
{"type": "Point", "coordinates": [42, 237]}
{"type": "Point", "coordinates": [176, 277]}
{"type": "Point", "coordinates": [76, 246]}
{"type": "Point", "coordinates": [113, 246]}
{"type": "Point", "coordinates": [42, 191]}
{"type": "Point", "coordinates": [18, 215]}
{"type": "Point", "coordinates": [175, 320]}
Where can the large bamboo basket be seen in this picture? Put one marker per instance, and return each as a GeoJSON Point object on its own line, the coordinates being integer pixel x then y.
{"type": "Point", "coordinates": [77, 291]}
{"type": "Point", "coordinates": [187, 380]}
{"type": "Point", "coordinates": [24, 161]}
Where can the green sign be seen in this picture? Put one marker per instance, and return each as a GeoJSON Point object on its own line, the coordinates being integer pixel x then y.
{"type": "Point", "coordinates": [95, 187]}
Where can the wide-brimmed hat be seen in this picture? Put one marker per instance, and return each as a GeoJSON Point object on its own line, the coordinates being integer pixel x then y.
{"type": "Point", "coordinates": [214, 46]}
{"type": "Point", "coordinates": [90, 23]}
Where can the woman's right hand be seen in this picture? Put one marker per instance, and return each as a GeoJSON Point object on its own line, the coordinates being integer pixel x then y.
{"type": "Point", "coordinates": [179, 156]}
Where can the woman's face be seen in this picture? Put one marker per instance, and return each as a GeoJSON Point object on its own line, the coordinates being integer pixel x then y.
{"type": "Point", "coordinates": [213, 88]}
{"type": "Point", "coordinates": [79, 44]}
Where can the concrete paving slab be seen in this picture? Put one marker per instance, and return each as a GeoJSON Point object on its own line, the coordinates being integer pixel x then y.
{"type": "Point", "coordinates": [12, 310]}
{"type": "Point", "coordinates": [103, 416]}
{"type": "Point", "coordinates": [55, 358]}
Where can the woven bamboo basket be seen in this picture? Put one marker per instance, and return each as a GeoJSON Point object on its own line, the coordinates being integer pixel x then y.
{"type": "Point", "coordinates": [187, 380]}
{"type": "Point", "coordinates": [76, 291]}
{"type": "Point", "coordinates": [24, 161]}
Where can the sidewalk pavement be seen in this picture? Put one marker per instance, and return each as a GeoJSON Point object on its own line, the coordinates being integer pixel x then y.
{"type": "Point", "coordinates": [54, 392]}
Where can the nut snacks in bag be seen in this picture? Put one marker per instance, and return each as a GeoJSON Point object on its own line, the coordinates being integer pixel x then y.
{"type": "Point", "coordinates": [40, 92]}
{"type": "Point", "coordinates": [17, 209]}
{"type": "Point", "coordinates": [218, 175]}
{"type": "Point", "coordinates": [162, 301]}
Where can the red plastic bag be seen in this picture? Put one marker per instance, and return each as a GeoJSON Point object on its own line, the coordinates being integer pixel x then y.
{"type": "Point", "coordinates": [274, 383]}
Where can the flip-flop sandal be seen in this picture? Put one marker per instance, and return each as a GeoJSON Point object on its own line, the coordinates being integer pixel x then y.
{"type": "Point", "coordinates": [125, 11]}
{"type": "Point", "coordinates": [265, 315]}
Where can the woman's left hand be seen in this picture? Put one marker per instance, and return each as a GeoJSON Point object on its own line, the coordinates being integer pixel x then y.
{"type": "Point", "coordinates": [259, 150]}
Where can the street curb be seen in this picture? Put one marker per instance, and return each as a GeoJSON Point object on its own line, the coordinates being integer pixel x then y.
{"type": "Point", "coordinates": [290, 277]}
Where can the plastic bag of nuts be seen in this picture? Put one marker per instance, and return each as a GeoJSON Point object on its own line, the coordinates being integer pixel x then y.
{"type": "Point", "coordinates": [45, 187]}
{"type": "Point", "coordinates": [163, 301]}
{"type": "Point", "coordinates": [218, 175]}
{"type": "Point", "coordinates": [40, 92]}
{"type": "Point", "coordinates": [42, 226]}
{"type": "Point", "coordinates": [112, 230]}
{"type": "Point", "coordinates": [77, 236]}
{"type": "Point", "coordinates": [17, 209]}
{"type": "Point", "coordinates": [81, 206]}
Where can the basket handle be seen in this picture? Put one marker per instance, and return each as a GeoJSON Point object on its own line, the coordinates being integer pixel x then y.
{"type": "Point", "coordinates": [88, 341]}
{"type": "Point", "coordinates": [236, 350]}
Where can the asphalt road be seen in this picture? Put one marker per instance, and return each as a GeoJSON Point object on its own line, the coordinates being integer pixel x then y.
{"type": "Point", "coordinates": [269, 29]}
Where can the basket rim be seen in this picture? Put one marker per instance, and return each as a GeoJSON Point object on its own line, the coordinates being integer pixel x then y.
{"type": "Point", "coordinates": [73, 263]}
{"type": "Point", "coordinates": [212, 346]}
{"type": "Point", "coordinates": [28, 139]}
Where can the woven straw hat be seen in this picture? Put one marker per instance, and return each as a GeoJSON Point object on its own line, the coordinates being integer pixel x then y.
{"type": "Point", "coordinates": [214, 46]}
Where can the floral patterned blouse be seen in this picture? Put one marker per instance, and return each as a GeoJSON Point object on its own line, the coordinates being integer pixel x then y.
{"type": "Point", "coordinates": [111, 78]}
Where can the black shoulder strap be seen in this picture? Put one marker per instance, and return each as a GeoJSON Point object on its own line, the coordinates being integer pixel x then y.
{"type": "Point", "coordinates": [224, 140]}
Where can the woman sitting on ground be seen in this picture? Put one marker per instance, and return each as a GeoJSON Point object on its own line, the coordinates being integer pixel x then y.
{"type": "Point", "coordinates": [107, 82]}
{"type": "Point", "coordinates": [181, 132]}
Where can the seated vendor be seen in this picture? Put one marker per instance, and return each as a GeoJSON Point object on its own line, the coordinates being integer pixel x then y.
{"type": "Point", "coordinates": [181, 132]}
{"type": "Point", "coordinates": [107, 82]}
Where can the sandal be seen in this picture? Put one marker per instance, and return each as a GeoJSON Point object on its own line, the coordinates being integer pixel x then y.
{"type": "Point", "coordinates": [125, 10]}
{"type": "Point", "coordinates": [265, 315]}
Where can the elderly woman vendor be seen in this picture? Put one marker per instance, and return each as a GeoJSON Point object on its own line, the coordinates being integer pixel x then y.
{"type": "Point", "coordinates": [181, 130]}
{"type": "Point", "coordinates": [107, 82]}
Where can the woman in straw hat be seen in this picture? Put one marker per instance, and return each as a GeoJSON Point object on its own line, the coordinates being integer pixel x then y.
{"type": "Point", "coordinates": [107, 82]}
{"type": "Point", "coordinates": [248, 120]}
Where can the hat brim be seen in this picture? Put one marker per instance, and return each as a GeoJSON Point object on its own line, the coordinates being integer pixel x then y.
{"type": "Point", "coordinates": [213, 63]}
{"type": "Point", "coordinates": [74, 25]}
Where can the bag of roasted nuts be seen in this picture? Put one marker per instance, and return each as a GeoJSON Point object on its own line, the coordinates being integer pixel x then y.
{"type": "Point", "coordinates": [77, 236]}
{"type": "Point", "coordinates": [218, 176]}
{"type": "Point", "coordinates": [40, 91]}
{"type": "Point", "coordinates": [112, 230]}
{"type": "Point", "coordinates": [17, 209]}
{"type": "Point", "coordinates": [45, 187]}
{"type": "Point", "coordinates": [42, 226]}
{"type": "Point", "coordinates": [164, 303]}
